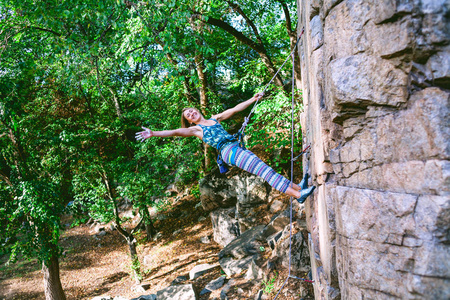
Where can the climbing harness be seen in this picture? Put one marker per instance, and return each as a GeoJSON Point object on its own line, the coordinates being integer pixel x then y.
{"type": "Point", "coordinates": [222, 165]}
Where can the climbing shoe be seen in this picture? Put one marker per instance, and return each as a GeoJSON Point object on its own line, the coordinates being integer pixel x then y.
{"type": "Point", "coordinates": [304, 183]}
{"type": "Point", "coordinates": [305, 193]}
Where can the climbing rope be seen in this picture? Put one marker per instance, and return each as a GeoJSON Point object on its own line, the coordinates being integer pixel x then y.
{"type": "Point", "coordinates": [240, 134]}
{"type": "Point", "coordinates": [292, 175]}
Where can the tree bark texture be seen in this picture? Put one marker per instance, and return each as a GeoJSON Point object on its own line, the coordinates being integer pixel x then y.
{"type": "Point", "coordinates": [148, 224]}
{"type": "Point", "coordinates": [293, 40]}
{"type": "Point", "coordinates": [52, 282]}
{"type": "Point", "coordinates": [135, 264]}
{"type": "Point", "coordinates": [206, 151]}
{"type": "Point", "coordinates": [203, 83]}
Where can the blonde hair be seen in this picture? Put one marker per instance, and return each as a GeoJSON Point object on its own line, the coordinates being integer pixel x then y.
{"type": "Point", "coordinates": [184, 122]}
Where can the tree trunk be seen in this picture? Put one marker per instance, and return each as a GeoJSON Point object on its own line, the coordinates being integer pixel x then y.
{"type": "Point", "coordinates": [148, 224]}
{"type": "Point", "coordinates": [52, 282]}
{"type": "Point", "coordinates": [117, 106]}
{"type": "Point", "coordinates": [206, 151]}
{"type": "Point", "coordinates": [203, 100]}
{"type": "Point", "coordinates": [293, 40]}
{"type": "Point", "coordinates": [203, 83]}
{"type": "Point", "coordinates": [150, 230]}
{"type": "Point", "coordinates": [135, 263]}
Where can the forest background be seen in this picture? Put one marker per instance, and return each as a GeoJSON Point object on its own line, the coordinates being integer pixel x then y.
{"type": "Point", "coordinates": [78, 79]}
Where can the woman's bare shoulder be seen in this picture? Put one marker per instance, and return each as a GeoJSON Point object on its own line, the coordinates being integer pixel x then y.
{"type": "Point", "coordinates": [196, 131]}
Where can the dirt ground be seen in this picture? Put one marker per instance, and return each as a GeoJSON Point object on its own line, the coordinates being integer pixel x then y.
{"type": "Point", "coordinates": [100, 266]}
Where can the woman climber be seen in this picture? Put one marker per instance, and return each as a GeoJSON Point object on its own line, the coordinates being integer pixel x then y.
{"type": "Point", "coordinates": [212, 133]}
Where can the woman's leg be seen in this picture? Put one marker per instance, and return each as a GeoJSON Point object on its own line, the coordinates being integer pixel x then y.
{"type": "Point", "coordinates": [246, 160]}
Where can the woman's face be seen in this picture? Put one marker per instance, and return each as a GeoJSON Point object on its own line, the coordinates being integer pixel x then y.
{"type": "Point", "coordinates": [192, 115]}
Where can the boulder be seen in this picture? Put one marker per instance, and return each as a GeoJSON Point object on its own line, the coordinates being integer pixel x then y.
{"type": "Point", "coordinates": [299, 251]}
{"type": "Point", "coordinates": [218, 191]}
{"type": "Point", "coordinates": [146, 297]}
{"type": "Point", "coordinates": [179, 280]}
{"type": "Point", "coordinates": [177, 292]}
{"type": "Point", "coordinates": [225, 226]}
{"type": "Point", "coordinates": [276, 206]}
{"type": "Point", "coordinates": [237, 256]}
{"type": "Point", "coordinates": [226, 289]}
{"type": "Point", "coordinates": [254, 271]}
{"type": "Point", "coordinates": [213, 285]}
{"type": "Point", "coordinates": [199, 270]}
{"type": "Point", "coordinates": [232, 266]}
{"type": "Point", "coordinates": [247, 244]}
{"type": "Point", "coordinates": [277, 224]}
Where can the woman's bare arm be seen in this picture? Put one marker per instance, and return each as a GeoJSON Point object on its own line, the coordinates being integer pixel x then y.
{"type": "Point", "coordinates": [184, 132]}
{"type": "Point", "coordinates": [240, 107]}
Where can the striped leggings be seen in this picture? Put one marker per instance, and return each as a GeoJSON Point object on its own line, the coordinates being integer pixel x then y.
{"type": "Point", "coordinates": [234, 155]}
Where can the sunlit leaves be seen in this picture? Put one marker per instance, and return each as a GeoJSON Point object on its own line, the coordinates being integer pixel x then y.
{"type": "Point", "coordinates": [79, 78]}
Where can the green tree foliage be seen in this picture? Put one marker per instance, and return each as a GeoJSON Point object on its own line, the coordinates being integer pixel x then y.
{"type": "Point", "coordinates": [79, 78]}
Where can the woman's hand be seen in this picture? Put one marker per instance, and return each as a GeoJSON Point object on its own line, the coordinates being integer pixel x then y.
{"type": "Point", "coordinates": [240, 107]}
{"type": "Point", "coordinates": [143, 135]}
{"type": "Point", "coordinates": [258, 96]}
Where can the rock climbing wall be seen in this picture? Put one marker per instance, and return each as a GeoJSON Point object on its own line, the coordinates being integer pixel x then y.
{"type": "Point", "coordinates": [376, 80]}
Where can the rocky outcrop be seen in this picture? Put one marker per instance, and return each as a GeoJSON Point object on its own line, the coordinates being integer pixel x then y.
{"type": "Point", "coordinates": [177, 292]}
{"type": "Point", "coordinates": [375, 79]}
{"type": "Point", "coordinates": [238, 255]}
{"type": "Point", "coordinates": [244, 189]}
{"type": "Point", "coordinates": [225, 226]}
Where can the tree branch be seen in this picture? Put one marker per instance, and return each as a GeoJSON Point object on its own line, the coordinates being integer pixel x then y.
{"type": "Point", "coordinates": [250, 23]}
{"type": "Point", "coordinates": [137, 226]}
{"type": "Point", "coordinates": [288, 18]}
{"type": "Point", "coordinates": [231, 30]}
{"type": "Point", "coordinates": [249, 42]}
{"type": "Point", "coordinates": [46, 30]}
{"type": "Point", "coordinates": [98, 79]}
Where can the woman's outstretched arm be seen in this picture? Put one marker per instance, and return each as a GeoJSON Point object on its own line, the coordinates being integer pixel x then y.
{"type": "Point", "coordinates": [240, 107]}
{"type": "Point", "coordinates": [184, 132]}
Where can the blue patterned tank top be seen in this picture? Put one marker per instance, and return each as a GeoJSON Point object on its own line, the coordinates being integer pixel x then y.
{"type": "Point", "coordinates": [214, 134]}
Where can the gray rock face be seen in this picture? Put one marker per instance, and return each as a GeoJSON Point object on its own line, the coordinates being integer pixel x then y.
{"type": "Point", "coordinates": [299, 252]}
{"type": "Point", "coordinates": [215, 192]}
{"type": "Point", "coordinates": [232, 266]}
{"type": "Point", "coordinates": [213, 285]}
{"type": "Point", "coordinates": [239, 254]}
{"type": "Point", "coordinates": [199, 270]}
{"type": "Point", "coordinates": [247, 244]}
{"type": "Point", "coordinates": [146, 297]}
{"type": "Point", "coordinates": [254, 271]}
{"type": "Point", "coordinates": [375, 80]}
{"type": "Point", "coordinates": [218, 191]}
{"type": "Point", "coordinates": [225, 225]}
{"type": "Point", "coordinates": [177, 292]}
